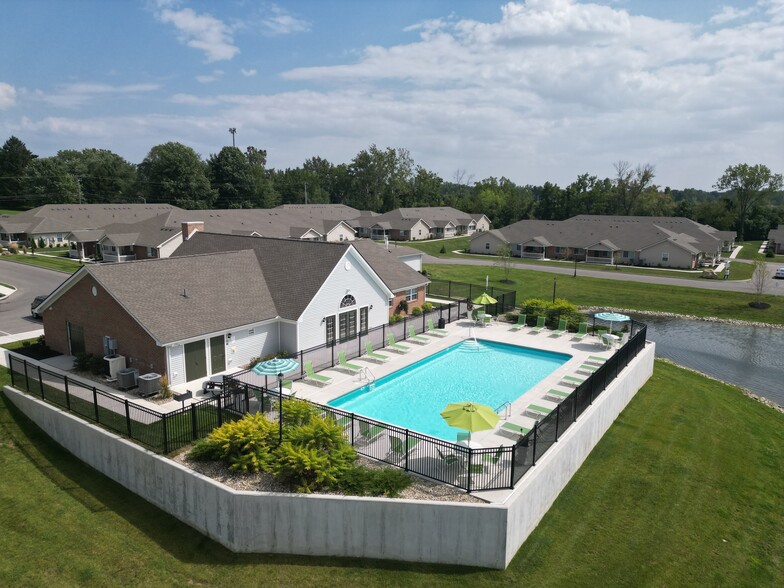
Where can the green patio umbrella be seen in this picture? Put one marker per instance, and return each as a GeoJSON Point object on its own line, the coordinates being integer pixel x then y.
{"type": "Point", "coordinates": [469, 416]}
{"type": "Point", "coordinates": [485, 299]}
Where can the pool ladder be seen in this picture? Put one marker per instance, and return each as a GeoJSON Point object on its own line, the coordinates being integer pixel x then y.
{"type": "Point", "coordinates": [507, 408]}
{"type": "Point", "coordinates": [472, 335]}
{"type": "Point", "coordinates": [366, 374]}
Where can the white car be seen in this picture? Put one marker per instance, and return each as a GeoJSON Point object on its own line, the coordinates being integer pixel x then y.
{"type": "Point", "coordinates": [779, 275]}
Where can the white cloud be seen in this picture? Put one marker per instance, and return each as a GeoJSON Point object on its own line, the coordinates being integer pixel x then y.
{"type": "Point", "coordinates": [730, 13]}
{"type": "Point", "coordinates": [280, 22]}
{"type": "Point", "coordinates": [248, 73]}
{"type": "Point", "coordinates": [79, 93]}
{"type": "Point", "coordinates": [7, 96]}
{"type": "Point", "coordinates": [200, 31]}
{"type": "Point", "coordinates": [207, 78]}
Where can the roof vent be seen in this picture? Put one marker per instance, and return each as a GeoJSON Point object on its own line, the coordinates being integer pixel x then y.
{"type": "Point", "coordinates": [184, 293]}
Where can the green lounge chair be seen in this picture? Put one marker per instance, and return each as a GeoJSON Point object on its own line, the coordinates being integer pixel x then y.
{"type": "Point", "coordinates": [539, 324]}
{"type": "Point", "coordinates": [520, 322]}
{"type": "Point", "coordinates": [537, 411]}
{"type": "Point", "coordinates": [494, 458]}
{"type": "Point", "coordinates": [596, 359]}
{"type": "Point", "coordinates": [602, 341]}
{"type": "Point", "coordinates": [516, 429]}
{"type": "Point", "coordinates": [343, 364]}
{"type": "Point", "coordinates": [419, 339]}
{"type": "Point", "coordinates": [397, 346]}
{"type": "Point", "coordinates": [587, 367]}
{"type": "Point", "coordinates": [557, 395]}
{"type": "Point", "coordinates": [373, 356]}
{"type": "Point", "coordinates": [582, 332]}
{"type": "Point", "coordinates": [311, 376]}
{"type": "Point", "coordinates": [561, 328]}
{"type": "Point", "coordinates": [449, 459]}
{"type": "Point", "coordinates": [574, 380]}
{"type": "Point", "coordinates": [368, 432]}
{"type": "Point", "coordinates": [431, 330]}
{"type": "Point", "coordinates": [400, 448]}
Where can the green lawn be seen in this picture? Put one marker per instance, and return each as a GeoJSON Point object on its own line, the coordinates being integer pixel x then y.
{"type": "Point", "coordinates": [739, 271]}
{"type": "Point", "coordinates": [7, 211]}
{"type": "Point", "coordinates": [55, 263]}
{"type": "Point", "coordinates": [585, 291]}
{"type": "Point", "coordinates": [750, 251]}
{"type": "Point", "coordinates": [685, 489]}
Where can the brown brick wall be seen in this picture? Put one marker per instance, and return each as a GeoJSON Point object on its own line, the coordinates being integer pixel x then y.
{"type": "Point", "coordinates": [402, 295]}
{"type": "Point", "coordinates": [101, 315]}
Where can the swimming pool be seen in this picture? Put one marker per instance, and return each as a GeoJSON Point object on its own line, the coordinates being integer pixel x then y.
{"type": "Point", "coordinates": [486, 372]}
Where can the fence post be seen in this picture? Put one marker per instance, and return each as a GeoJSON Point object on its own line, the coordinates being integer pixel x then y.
{"type": "Point", "coordinates": [405, 330]}
{"type": "Point", "coordinates": [95, 404]}
{"type": "Point", "coordinates": [301, 364]}
{"type": "Point", "coordinates": [512, 468]}
{"type": "Point", "coordinates": [383, 335]}
{"type": "Point", "coordinates": [557, 420]}
{"type": "Point", "coordinates": [128, 417]}
{"type": "Point", "coordinates": [67, 393]}
{"type": "Point", "coordinates": [220, 410]}
{"type": "Point", "coordinates": [536, 434]}
{"type": "Point", "coordinates": [470, 473]}
{"type": "Point", "coordinates": [194, 423]}
{"type": "Point", "coordinates": [449, 289]}
{"type": "Point", "coordinates": [352, 429]}
{"type": "Point", "coordinates": [11, 369]}
{"type": "Point", "coordinates": [41, 382]}
{"type": "Point", "coordinates": [247, 399]}
{"type": "Point", "coordinates": [27, 377]}
{"type": "Point", "coordinates": [165, 435]}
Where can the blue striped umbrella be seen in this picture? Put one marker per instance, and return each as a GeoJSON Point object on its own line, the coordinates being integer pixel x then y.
{"type": "Point", "coordinates": [612, 317]}
{"type": "Point", "coordinates": [273, 367]}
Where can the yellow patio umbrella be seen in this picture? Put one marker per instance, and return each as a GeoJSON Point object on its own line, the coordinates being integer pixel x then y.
{"type": "Point", "coordinates": [484, 299]}
{"type": "Point", "coordinates": [469, 416]}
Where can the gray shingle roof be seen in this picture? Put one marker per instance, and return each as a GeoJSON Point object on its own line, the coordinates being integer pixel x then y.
{"type": "Point", "coordinates": [386, 263]}
{"type": "Point", "coordinates": [293, 270]}
{"type": "Point", "coordinates": [216, 288]}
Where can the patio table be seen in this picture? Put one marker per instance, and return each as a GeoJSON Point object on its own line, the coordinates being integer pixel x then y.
{"type": "Point", "coordinates": [611, 339]}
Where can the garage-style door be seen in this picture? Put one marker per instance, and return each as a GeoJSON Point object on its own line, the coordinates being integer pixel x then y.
{"type": "Point", "coordinates": [195, 360]}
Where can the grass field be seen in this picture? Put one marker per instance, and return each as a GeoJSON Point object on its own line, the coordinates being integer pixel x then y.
{"type": "Point", "coordinates": [750, 251]}
{"type": "Point", "coordinates": [59, 264]}
{"type": "Point", "coordinates": [684, 489]}
{"type": "Point", "coordinates": [585, 291]}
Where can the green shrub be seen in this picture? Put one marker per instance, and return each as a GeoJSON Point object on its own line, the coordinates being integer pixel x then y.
{"type": "Point", "coordinates": [243, 444]}
{"type": "Point", "coordinates": [360, 481]}
{"type": "Point", "coordinates": [395, 318]}
{"type": "Point", "coordinates": [443, 248]}
{"type": "Point", "coordinates": [297, 413]}
{"type": "Point", "coordinates": [96, 364]}
{"type": "Point", "coordinates": [416, 311]}
{"type": "Point", "coordinates": [561, 308]}
{"type": "Point", "coordinates": [511, 317]}
{"type": "Point", "coordinates": [427, 306]}
{"type": "Point", "coordinates": [769, 253]}
{"type": "Point", "coordinates": [82, 361]}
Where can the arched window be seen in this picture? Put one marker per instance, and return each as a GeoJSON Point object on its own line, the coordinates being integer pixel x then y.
{"type": "Point", "coordinates": [348, 300]}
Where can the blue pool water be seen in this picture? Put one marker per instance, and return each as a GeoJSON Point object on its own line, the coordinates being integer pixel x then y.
{"type": "Point", "coordinates": [488, 373]}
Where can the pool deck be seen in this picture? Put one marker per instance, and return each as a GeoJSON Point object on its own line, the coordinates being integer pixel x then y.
{"type": "Point", "coordinates": [343, 382]}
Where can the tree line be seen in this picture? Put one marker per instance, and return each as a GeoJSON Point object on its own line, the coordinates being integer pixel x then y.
{"type": "Point", "coordinates": [747, 198]}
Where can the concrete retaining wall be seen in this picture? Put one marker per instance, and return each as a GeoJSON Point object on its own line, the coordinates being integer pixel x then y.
{"type": "Point", "coordinates": [433, 532]}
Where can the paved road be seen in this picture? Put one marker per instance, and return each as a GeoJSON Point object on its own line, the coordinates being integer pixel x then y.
{"type": "Point", "coordinates": [29, 281]}
{"type": "Point", "coordinates": [776, 287]}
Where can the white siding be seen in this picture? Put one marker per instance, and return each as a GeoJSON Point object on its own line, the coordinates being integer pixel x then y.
{"type": "Point", "coordinates": [413, 261]}
{"type": "Point", "coordinates": [419, 232]}
{"type": "Point", "coordinates": [288, 337]}
{"type": "Point", "coordinates": [168, 248]}
{"type": "Point", "coordinates": [478, 244]}
{"type": "Point", "coordinates": [482, 224]}
{"type": "Point", "coordinates": [176, 355]}
{"type": "Point", "coordinates": [327, 301]}
{"type": "Point", "coordinates": [243, 346]}
{"type": "Point", "coordinates": [652, 256]}
{"type": "Point", "coordinates": [341, 230]}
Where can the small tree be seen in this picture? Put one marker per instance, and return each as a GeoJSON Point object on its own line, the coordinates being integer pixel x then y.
{"type": "Point", "coordinates": [759, 281]}
{"type": "Point", "coordinates": [504, 253]}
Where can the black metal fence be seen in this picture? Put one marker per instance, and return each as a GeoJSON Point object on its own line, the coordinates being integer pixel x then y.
{"type": "Point", "coordinates": [447, 462]}
{"type": "Point", "coordinates": [464, 291]}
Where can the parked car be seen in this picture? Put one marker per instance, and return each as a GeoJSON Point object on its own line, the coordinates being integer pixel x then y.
{"type": "Point", "coordinates": [35, 303]}
{"type": "Point", "coordinates": [779, 275]}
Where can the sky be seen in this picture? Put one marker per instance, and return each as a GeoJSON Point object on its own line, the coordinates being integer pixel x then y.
{"type": "Point", "coordinates": [535, 90]}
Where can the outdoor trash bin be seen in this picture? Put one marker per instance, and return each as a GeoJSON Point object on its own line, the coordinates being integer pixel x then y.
{"type": "Point", "coordinates": [441, 323]}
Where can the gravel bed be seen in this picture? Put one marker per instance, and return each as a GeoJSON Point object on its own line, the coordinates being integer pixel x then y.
{"type": "Point", "coordinates": [421, 489]}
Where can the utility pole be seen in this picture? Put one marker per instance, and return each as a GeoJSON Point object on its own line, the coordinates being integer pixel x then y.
{"type": "Point", "coordinates": [233, 132]}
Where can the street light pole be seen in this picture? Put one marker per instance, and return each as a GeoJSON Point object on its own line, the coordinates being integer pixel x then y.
{"type": "Point", "coordinates": [233, 131]}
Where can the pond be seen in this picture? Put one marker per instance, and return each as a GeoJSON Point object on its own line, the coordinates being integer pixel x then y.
{"type": "Point", "coordinates": [749, 356]}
